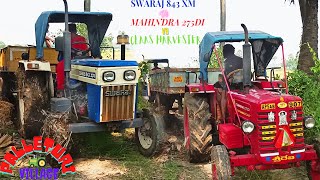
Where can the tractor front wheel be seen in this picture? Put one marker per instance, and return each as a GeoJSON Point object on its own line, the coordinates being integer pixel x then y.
{"type": "Point", "coordinates": [151, 134]}
{"type": "Point", "coordinates": [312, 174]}
{"type": "Point", "coordinates": [220, 163]}
{"type": "Point", "coordinates": [200, 129]}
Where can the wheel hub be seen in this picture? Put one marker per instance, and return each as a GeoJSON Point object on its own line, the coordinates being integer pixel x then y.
{"type": "Point", "coordinates": [145, 135]}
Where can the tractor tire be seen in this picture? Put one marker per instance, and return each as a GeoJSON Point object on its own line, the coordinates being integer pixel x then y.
{"type": "Point", "coordinates": [151, 135]}
{"type": "Point", "coordinates": [220, 162]}
{"type": "Point", "coordinates": [42, 163]}
{"type": "Point", "coordinates": [32, 99]}
{"type": "Point", "coordinates": [200, 128]}
{"type": "Point", "coordinates": [313, 175]}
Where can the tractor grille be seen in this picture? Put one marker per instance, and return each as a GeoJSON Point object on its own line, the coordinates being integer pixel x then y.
{"type": "Point", "coordinates": [267, 132]}
{"type": "Point", "coordinates": [118, 103]}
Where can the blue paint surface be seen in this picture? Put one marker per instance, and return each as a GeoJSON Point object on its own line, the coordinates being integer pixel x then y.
{"type": "Point", "coordinates": [94, 93]}
{"type": "Point", "coordinates": [104, 63]}
{"type": "Point", "coordinates": [268, 158]}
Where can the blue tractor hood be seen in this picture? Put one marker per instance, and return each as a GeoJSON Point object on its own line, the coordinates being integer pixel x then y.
{"type": "Point", "coordinates": [104, 63]}
{"type": "Point", "coordinates": [97, 24]}
{"type": "Point", "coordinates": [264, 46]}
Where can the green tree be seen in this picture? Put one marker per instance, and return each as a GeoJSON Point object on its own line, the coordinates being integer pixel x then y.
{"type": "Point", "coordinates": [2, 45]}
{"type": "Point", "coordinates": [309, 18]}
{"type": "Point", "coordinates": [292, 62]}
{"type": "Point", "coordinates": [106, 42]}
{"type": "Point", "coordinates": [82, 30]}
{"type": "Point", "coordinates": [214, 58]}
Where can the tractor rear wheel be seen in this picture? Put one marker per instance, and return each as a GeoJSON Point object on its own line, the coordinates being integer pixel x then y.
{"type": "Point", "coordinates": [33, 97]}
{"type": "Point", "coordinates": [151, 134]}
{"type": "Point", "coordinates": [200, 135]}
{"type": "Point", "coordinates": [220, 163]}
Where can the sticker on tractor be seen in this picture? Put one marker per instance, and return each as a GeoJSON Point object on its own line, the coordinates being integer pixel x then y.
{"type": "Point", "coordinates": [177, 79]}
{"type": "Point", "coordinates": [268, 106]}
{"type": "Point", "coordinates": [86, 74]}
{"type": "Point", "coordinates": [294, 104]}
{"type": "Point", "coordinates": [37, 167]}
{"type": "Point", "coordinates": [283, 158]}
{"type": "Point", "coordinates": [282, 105]}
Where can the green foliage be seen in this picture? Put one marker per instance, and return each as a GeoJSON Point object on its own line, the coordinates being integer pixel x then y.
{"type": "Point", "coordinates": [316, 68]}
{"type": "Point", "coordinates": [82, 30]}
{"type": "Point", "coordinates": [214, 60]}
{"type": "Point", "coordinates": [144, 68]}
{"type": "Point", "coordinates": [292, 62]}
{"type": "Point", "coordinates": [307, 87]}
{"type": "Point", "coordinates": [2, 45]}
{"type": "Point", "coordinates": [142, 103]}
{"type": "Point", "coordinates": [106, 42]}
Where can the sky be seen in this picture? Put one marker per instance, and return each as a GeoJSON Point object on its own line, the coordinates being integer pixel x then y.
{"type": "Point", "coordinates": [275, 17]}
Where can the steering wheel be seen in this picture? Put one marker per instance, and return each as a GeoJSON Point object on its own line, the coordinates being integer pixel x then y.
{"type": "Point", "coordinates": [231, 74]}
{"type": "Point", "coordinates": [80, 52]}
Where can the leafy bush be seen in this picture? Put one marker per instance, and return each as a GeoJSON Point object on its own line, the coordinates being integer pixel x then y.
{"type": "Point", "coordinates": [307, 87]}
{"type": "Point", "coordinates": [144, 69]}
{"type": "Point", "coordinates": [214, 60]}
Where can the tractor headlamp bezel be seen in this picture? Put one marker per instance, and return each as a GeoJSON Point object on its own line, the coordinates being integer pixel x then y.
{"type": "Point", "coordinates": [309, 122]}
{"type": "Point", "coordinates": [247, 127]}
{"type": "Point", "coordinates": [129, 75]}
{"type": "Point", "coordinates": [108, 76]}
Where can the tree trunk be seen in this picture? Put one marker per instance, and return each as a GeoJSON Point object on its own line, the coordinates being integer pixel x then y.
{"type": "Point", "coordinates": [309, 16]}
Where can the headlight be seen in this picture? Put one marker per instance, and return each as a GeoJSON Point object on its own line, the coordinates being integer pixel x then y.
{"type": "Point", "coordinates": [129, 75]}
{"type": "Point", "coordinates": [247, 126]}
{"type": "Point", "coordinates": [108, 76]}
{"type": "Point", "coordinates": [309, 122]}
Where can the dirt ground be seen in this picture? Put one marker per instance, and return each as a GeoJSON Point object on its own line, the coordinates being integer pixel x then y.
{"type": "Point", "coordinates": [104, 156]}
{"type": "Point", "coordinates": [95, 168]}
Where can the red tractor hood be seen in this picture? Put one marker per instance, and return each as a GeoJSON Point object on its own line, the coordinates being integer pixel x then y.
{"type": "Point", "coordinates": [259, 96]}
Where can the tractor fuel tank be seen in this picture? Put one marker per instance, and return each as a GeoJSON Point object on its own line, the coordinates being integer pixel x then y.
{"type": "Point", "coordinates": [60, 105]}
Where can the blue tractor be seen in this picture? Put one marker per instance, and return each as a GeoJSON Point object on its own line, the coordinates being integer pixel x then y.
{"type": "Point", "coordinates": [102, 93]}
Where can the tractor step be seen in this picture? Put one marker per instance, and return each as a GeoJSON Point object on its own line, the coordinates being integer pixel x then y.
{"type": "Point", "coordinates": [95, 127]}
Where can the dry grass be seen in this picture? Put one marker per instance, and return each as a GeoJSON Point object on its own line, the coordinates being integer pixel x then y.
{"type": "Point", "coordinates": [55, 126]}
{"type": "Point", "coordinates": [6, 109]}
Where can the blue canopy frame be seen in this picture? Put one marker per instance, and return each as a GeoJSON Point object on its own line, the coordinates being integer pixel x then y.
{"type": "Point", "coordinates": [97, 24]}
{"type": "Point", "coordinates": [264, 46]}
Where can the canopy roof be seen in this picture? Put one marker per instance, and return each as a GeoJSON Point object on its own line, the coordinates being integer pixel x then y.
{"type": "Point", "coordinates": [264, 46]}
{"type": "Point", "coordinates": [97, 24]}
{"type": "Point", "coordinates": [235, 36]}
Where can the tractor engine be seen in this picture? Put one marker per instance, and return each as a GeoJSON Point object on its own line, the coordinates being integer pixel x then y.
{"type": "Point", "coordinates": [108, 89]}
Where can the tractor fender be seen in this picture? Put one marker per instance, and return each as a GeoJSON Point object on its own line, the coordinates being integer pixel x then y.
{"type": "Point", "coordinates": [35, 65]}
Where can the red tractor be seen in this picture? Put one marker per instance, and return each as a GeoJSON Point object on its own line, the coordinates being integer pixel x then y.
{"type": "Point", "coordinates": [264, 125]}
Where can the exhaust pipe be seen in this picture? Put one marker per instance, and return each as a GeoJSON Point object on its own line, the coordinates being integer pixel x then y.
{"type": "Point", "coordinates": [246, 48]}
{"type": "Point", "coordinates": [67, 45]}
